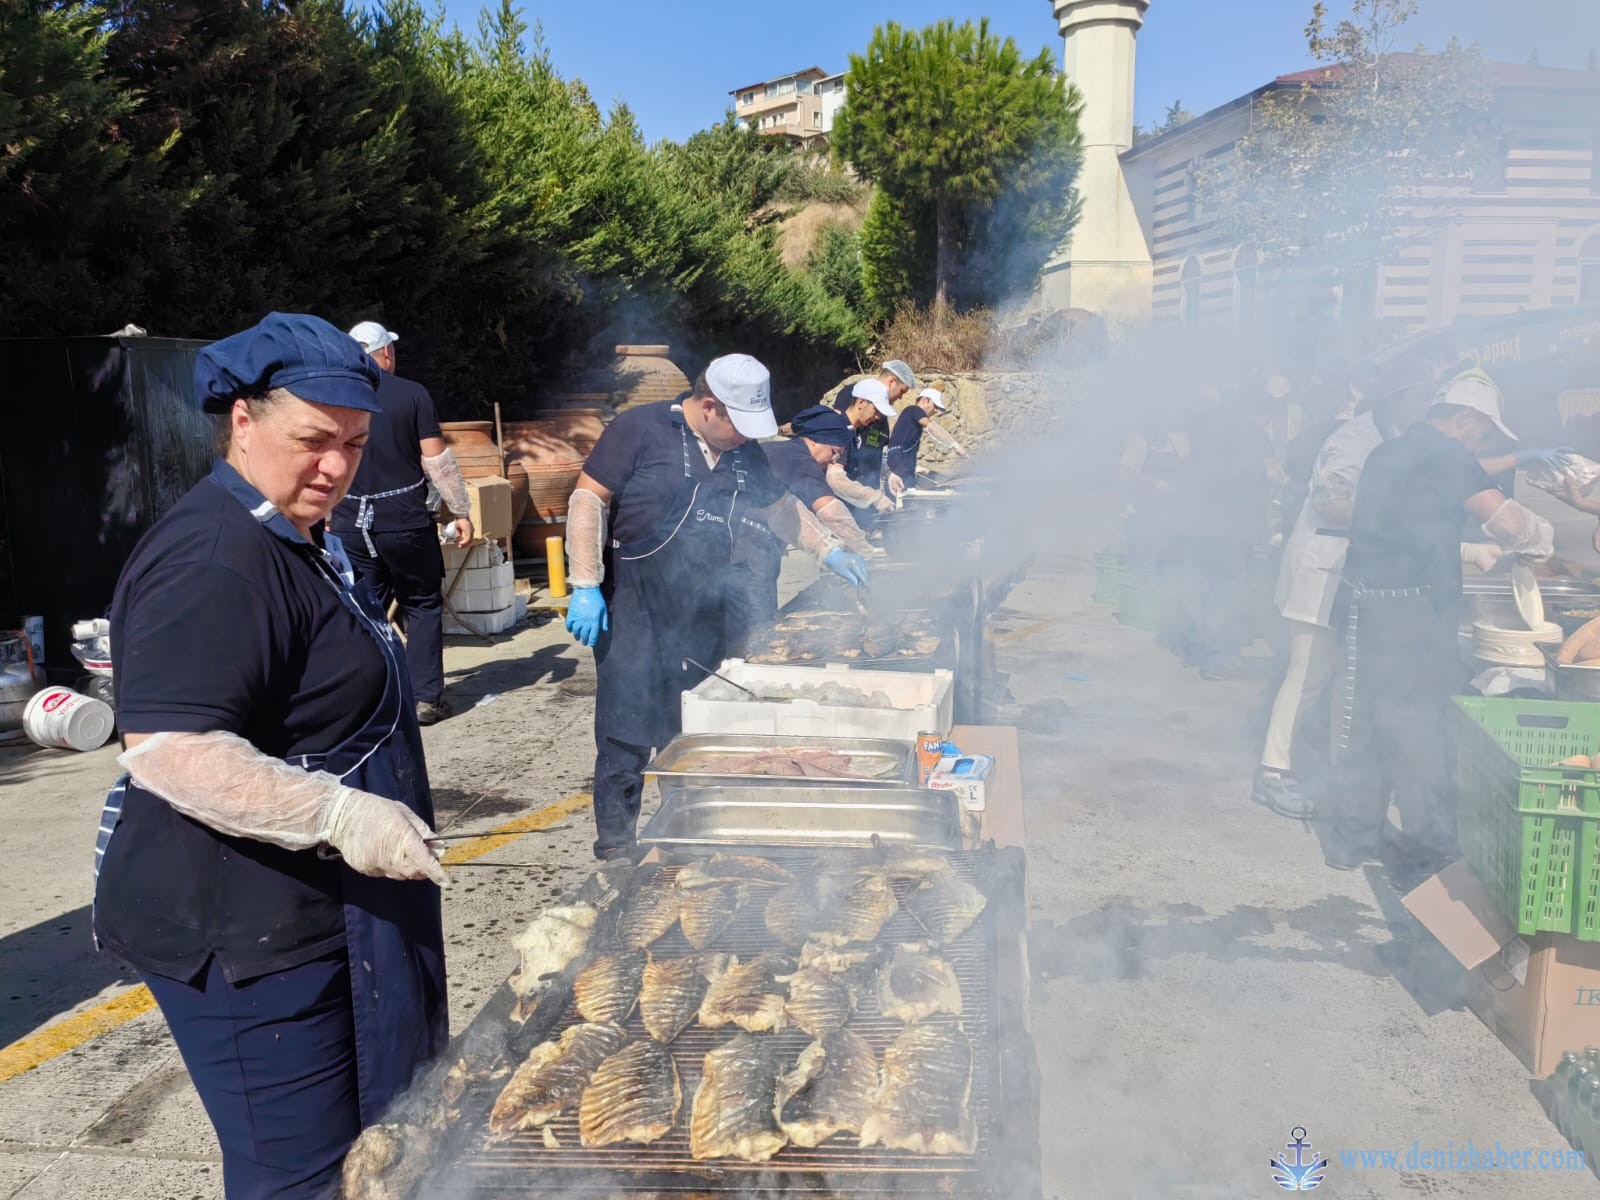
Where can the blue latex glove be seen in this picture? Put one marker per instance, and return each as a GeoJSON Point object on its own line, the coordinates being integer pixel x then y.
{"type": "Point", "coordinates": [587, 617]}
{"type": "Point", "coordinates": [848, 566]}
{"type": "Point", "coordinates": [1545, 458]}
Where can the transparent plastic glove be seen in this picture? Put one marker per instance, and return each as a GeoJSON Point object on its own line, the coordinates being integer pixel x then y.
{"type": "Point", "coordinates": [857, 495]}
{"type": "Point", "coordinates": [1482, 555]}
{"type": "Point", "coordinates": [587, 617]}
{"type": "Point", "coordinates": [382, 837]}
{"type": "Point", "coordinates": [1521, 531]}
{"type": "Point", "coordinates": [883, 504]}
{"type": "Point", "coordinates": [848, 566]}
{"type": "Point", "coordinates": [225, 783]}
{"type": "Point", "coordinates": [445, 474]}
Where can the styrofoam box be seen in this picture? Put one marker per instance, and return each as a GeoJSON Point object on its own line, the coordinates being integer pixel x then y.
{"type": "Point", "coordinates": [479, 554]}
{"type": "Point", "coordinates": [920, 702]}
{"type": "Point", "coordinates": [484, 589]}
{"type": "Point", "coordinates": [487, 623]}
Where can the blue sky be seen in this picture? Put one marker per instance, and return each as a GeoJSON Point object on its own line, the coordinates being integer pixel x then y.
{"type": "Point", "coordinates": [675, 61]}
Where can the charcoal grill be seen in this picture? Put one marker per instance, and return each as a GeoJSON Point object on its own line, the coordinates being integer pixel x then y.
{"type": "Point", "coordinates": [525, 1166]}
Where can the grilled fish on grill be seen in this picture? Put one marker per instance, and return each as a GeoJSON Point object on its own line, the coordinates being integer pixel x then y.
{"type": "Point", "coordinates": [705, 912]}
{"type": "Point", "coordinates": [832, 907]}
{"type": "Point", "coordinates": [915, 984]}
{"type": "Point", "coordinates": [923, 1093]}
{"type": "Point", "coordinates": [547, 946]}
{"type": "Point", "coordinates": [747, 994]}
{"type": "Point", "coordinates": [945, 906]}
{"type": "Point", "coordinates": [734, 1108]}
{"type": "Point", "coordinates": [553, 1077]}
{"type": "Point", "coordinates": [646, 915]}
{"type": "Point", "coordinates": [608, 988]}
{"type": "Point", "coordinates": [634, 1096]}
{"type": "Point", "coordinates": [829, 1089]}
{"type": "Point", "coordinates": [732, 868]}
{"type": "Point", "coordinates": [672, 990]}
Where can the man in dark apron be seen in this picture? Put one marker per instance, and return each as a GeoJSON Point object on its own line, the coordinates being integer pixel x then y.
{"type": "Point", "coordinates": [1401, 606]}
{"type": "Point", "coordinates": [650, 533]}
{"type": "Point", "coordinates": [384, 521]}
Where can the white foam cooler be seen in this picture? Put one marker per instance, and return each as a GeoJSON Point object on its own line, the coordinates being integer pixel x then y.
{"type": "Point", "coordinates": [920, 702]}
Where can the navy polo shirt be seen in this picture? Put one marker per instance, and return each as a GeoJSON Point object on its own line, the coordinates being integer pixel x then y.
{"type": "Point", "coordinates": [792, 463]}
{"type": "Point", "coordinates": [640, 459]}
{"type": "Point", "coordinates": [218, 623]}
{"type": "Point", "coordinates": [392, 460]}
{"type": "Point", "coordinates": [905, 442]}
{"type": "Point", "coordinates": [1410, 505]}
{"type": "Point", "coordinates": [864, 455]}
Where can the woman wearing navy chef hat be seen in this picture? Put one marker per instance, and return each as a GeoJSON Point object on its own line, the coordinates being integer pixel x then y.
{"type": "Point", "coordinates": [264, 863]}
{"type": "Point", "coordinates": [650, 534]}
{"type": "Point", "coordinates": [821, 438]}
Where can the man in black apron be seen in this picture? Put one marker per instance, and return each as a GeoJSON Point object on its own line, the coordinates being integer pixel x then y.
{"type": "Point", "coordinates": [384, 522]}
{"type": "Point", "coordinates": [868, 405]}
{"type": "Point", "coordinates": [650, 533]}
{"type": "Point", "coordinates": [1402, 605]}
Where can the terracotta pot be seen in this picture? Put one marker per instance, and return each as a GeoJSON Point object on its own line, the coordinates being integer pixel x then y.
{"type": "Point", "coordinates": [539, 442]}
{"type": "Point", "coordinates": [645, 375]}
{"type": "Point", "coordinates": [549, 488]}
{"type": "Point", "coordinates": [473, 445]}
{"type": "Point", "coordinates": [576, 428]}
{"type": "Point", "coordinates": [517, 476]}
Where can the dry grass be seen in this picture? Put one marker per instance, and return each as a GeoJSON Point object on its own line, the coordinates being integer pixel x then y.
{"type": "Point", "coordinates": [799, 233]}
{"type": "Point", "coordinates": [969, 341]}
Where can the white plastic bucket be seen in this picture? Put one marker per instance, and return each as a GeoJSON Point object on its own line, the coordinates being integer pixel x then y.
{"type": "Point", "coordinates": [61, 718]}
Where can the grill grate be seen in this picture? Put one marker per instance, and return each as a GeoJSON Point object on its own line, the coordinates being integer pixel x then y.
{"type": "Point", "coordinates": [524, 1165]}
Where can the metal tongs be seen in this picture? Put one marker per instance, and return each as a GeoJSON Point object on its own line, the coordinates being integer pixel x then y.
{"type": "Point", "coordinates": [699, 666]}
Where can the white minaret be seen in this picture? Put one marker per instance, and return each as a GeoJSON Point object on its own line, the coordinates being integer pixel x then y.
{"type": "Point", "coordinates": [1106, 266]}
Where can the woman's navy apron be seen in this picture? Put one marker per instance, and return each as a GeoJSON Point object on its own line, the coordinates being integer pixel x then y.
{"type": "Point", "coordinates": [666, 594]}
{"type": "Point", "coordinates": [394, 936]}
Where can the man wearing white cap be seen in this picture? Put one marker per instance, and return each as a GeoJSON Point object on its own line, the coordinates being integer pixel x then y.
{"type": "Point", "coordinates": [650, 533]}
{"type": "Point", "coordinates": [1401, 606]}
{"type": "Point", "coordinates": [384, 522]}
{"type": "Point", "coordinates": [900, 458]}
{"type": "Point", "coordinates": [864, 464]}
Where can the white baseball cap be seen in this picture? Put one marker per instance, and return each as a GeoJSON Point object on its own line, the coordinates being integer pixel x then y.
{"type": "Point", "coordinates": [874, 391]}
{"type": "Point", "coordinates": [902, 371]}
{"type": "Point", "coordinates": [372, 336]}
{"type": "Point", "coordinates": [745, 388]}
{"type": "Point", "coordinates": [1475, 390]}
{"type": "Point", "coordinates": [934, 394]}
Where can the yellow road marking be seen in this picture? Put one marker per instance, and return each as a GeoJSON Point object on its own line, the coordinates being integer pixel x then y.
{"type": "Point", "coordinates": [505, 834]}
{"type": "Point", "coordinates": [27, 1053]}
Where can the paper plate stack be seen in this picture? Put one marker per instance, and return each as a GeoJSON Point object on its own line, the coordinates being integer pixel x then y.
{"type": "Point", "coordinates": [1519, 647]}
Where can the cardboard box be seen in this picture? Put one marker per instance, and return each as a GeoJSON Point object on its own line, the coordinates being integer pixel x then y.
{"type": "Point", "coordinates": [1540, 995]}
{"type": "Point", "coordinates": [967, 776]}
{"type": "Point", "coordinates": [491, 507]}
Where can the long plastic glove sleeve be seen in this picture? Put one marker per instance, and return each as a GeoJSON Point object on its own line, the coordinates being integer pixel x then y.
{"type": "Point", "coordinates": [847, 489]}
{"type": "Point", "coordinates": [939, 434]}
{"type": "Point", "coordinates": [224, 782]}
{"type": "Point", "coordinates": [843, 526]}
{"type": "Point", "coordinates": [587, 515]}
{"type": "Point", "coordinates": [1521, 531]}
{"type": "Point", "coordinates": [448, 481]}
{"type": "Point", "coordinates": [790, 520]}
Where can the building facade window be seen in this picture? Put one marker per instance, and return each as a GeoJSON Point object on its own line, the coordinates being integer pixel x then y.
{"type": "Point", "coordinates": [1246, 271]}
{"type": "Point", "coordinates": [1189, 305]}
{"type": "Point", "coordinates": [1589, 271]}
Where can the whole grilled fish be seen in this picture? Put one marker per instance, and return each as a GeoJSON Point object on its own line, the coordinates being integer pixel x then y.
{"type": "Point", "coordinates": [732, 868]}
{"type": "Point", "coordinates": [747, 994]}
{"type": "Point", "coordinates": [672, 990]}
{"type": "Point", "coordinates": [832, 907]}
{"type": "Point", "coordinates": [646, 915]}
{"type": "Point", "coordinates": [915, 984]}
{"type": "Point", "coordinates": [945, 906]}
{"type": "Point", "coordinates": [829, 1089]}
{"type": "Point", "coordinates": [734, 1108]}
{"type": "Point", "coordinates": [553, 1077]}
{"type": "Point", "coordinates": [705, 912]}
{"type": "Point", "coordinates": [634, 1096]}
{"type": "Point", "coordinates": [922, 1100]}
{"type": "Point", "coordinates": [608, 988]}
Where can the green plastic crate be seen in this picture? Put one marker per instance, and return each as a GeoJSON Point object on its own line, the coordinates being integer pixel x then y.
{"type": "Point", "coordinates": [1111, 576]}
{"type": "Point", "coordinates": [1531, 830]}
{"type": "Point", "coordinates": [1143, 607]}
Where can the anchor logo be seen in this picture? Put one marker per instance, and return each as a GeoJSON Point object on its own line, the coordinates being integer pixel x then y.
{"type": "Point", "coordinates": [1305, 1172]}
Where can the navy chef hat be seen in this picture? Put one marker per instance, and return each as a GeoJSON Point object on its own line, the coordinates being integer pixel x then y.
{"type": "Point", "coordinates": [822, 424]}
{"type": "Point", "coordinates": [295, 351]}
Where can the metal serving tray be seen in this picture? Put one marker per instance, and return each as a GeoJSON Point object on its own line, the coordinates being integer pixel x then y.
{"type": "Point", "coordinates": [1556, 587]}
{"type": "Point", "coordinates": [805, 817]}
{"type": "Point", "coordinates": [882, 763]}
{"type": "Point", "coordinates": [1569, 681]}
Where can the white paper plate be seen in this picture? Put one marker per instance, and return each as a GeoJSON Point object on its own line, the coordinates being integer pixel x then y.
{"type": "Point", "coordinates": [1525, 590]}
